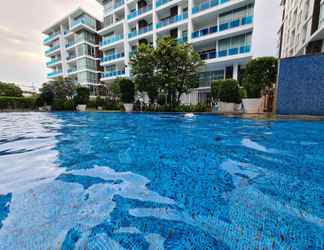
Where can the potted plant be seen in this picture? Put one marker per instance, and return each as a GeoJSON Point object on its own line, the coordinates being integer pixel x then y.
{"type": "Point", "coordinates": [127, 93]}
{"type": "Point", "coordinates": [260, 74]}
{"type": "Point", "coordinates": [229, 96]}
{"type": "Point", "coordinates": [82, 98]}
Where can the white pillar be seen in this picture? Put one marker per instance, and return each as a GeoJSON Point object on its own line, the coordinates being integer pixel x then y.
{"type": "Point", "coordinates": [190, 26]}
{"type": "Point", "coordinates": [235, 71]}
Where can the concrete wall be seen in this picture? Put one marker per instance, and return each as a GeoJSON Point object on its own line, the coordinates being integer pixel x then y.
{"type": "Point", "coordinates": [301, 86]}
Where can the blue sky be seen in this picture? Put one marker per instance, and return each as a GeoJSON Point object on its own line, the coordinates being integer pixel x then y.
{"type": "Point", "coordinates": [22, 57]}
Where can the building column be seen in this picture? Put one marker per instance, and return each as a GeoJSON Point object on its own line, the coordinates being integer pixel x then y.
{"type": "Point", "coordinates": [235, 71]}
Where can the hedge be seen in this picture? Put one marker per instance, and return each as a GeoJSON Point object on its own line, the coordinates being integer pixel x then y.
{"type": "Point", "coordinates": [12, 103]}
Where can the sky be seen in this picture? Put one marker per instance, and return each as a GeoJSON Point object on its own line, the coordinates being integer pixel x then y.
{"type": "Point", "coordinates": [22, 58]}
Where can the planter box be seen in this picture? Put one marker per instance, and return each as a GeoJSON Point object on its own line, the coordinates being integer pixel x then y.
{"type": "Point", "coordinates": [227, 107]}
{"type": "Point", "coordinates": [252, 105]}
{"type": "Point", "coordinates": [81, 108]}
{"type": "Point", "coordinates": [128, 107]}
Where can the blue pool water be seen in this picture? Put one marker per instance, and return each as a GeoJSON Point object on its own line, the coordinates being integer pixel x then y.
{"type": "Point", "coordinates": [159, 181]}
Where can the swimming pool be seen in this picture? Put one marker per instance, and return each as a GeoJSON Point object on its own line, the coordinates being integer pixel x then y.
{"type": "Point", "coordinates": [159, 181]}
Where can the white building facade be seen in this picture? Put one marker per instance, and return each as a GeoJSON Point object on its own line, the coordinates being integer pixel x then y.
{"type": "Point", "coordinates": [302, 29]}
{"type": "Point", "coordinates": [219, 30]}
{"type": "Point", "coordinates": [73, 50]}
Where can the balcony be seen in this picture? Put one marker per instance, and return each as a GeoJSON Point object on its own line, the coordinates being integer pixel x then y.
{"type": "Point", "coordinates": [72, 71]}
{"type": "Point", "coordinates": [162, 2]}
{"type": "Point", "coordinates": [225, 26]}
{"type": "Point", "coordinates": [111, 40]}
{"type": "Point", "coordinates": [112, 57]}
{"type": "Point", "coordinates": [82, 21]}
{"type": "Point", "coordinates": [182, 40]}
{"type": "Point", "coordinates": [113, 74]}
{"type": "Point", "coordinates": [69, 45]}
{"type": "Point", "coordinates": [51, 38]}
{"type": "Point", "coordinates": [172, 20]}
{"type": "Point", "coordinates": [55, 74]}
{"type": "Point", "coordinates": [224, 53]}
{"type": "Point", "coordinates": [52, 49]}
{"type": "Point", "coordinates": [118, 4]}
{"type": "Point", "coordinates": [71, 57]}
{"type": "Point", "coordinates": [208, 4]}
{"type": "Point", "coordinates": [53, 62]}
{"type": "Point", "coordinates": [140, 31]}
{"type": "Point", "coordinates": [139, 12]}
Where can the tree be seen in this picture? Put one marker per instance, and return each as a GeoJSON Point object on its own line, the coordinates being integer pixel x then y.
{"type": "Point", "coordinates": [61, 88]}
{"type": "Point", "coordinates": [188, 62]}
{"type": "Point", "coordinates": [229, 91]}
{"type": "Point", "coordinates": [82, 95]}
{"type": "Point", "coordinates": [143, 69]}
{"type": "Point", "coordinates": [127, 90]}
{"type": "Point", "coordinates": [260, 74]}
{"type": "Point", "coordinates": [10, 89]}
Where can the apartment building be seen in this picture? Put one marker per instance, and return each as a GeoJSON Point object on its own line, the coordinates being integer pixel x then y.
{"type": "Point", "coordinates": [302, 29]}
{"type": "Point", "coordinates": [219, 30]}
{"type": "Point", "coordinates": [73, 49]}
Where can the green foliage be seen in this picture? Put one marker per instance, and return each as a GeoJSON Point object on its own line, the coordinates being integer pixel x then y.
{"type": "Point", "coordinates": [112, 105]}
{"type": "Point", "coordinates": [260, 73]}
{"type": "Point", "coordinates": [82, 95]}
{"type": "Point", "coordinates": [215, 87]}
{"type": "Point", "coordinates": [11, 103]}
{"type": "Point", "coordinates": [229, 91]}
{"type": "Point", "coordinates": [100, 102]}
{"type": "Point", "coordinates": [58, 93]}
{"type": "Point", "coordinates": [171, 68]}
{"type": "Point", "coordinates": [202, 107]}
{"type": "Point", "coordinates": [243, 93]}
{"type": "Point", "coordinates": [63, 105]}
{"type": "Point", "coordinates": [10, 89]}
{"type": "Point", "coordinates": [143, 68]}
{"type": "Point", "coordinates": [127, 90]}
{"type": "Point", "coordinates": [115, 89]}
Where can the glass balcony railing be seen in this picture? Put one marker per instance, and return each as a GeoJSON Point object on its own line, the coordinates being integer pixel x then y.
{"type": "Point", "coordinates": [182, 40]}
{"type": "Point", "coordinates": [72, 70]}
{"type": "Point", "coordinates": [139, 12]}
{"type": "Point", "coordinates": [171, 20]}
{"type": "Point", "coordinates": [84, 21]}
{"type": "Point", "coordinates": [112, 57]}
{"type": "Point", "coordinates": [71, 57]}
{"type": "Point", "coordinates": [50, 50]}
{"type": "Point", "coordinates": [207, 4]}
{"type": "Point", "coordinates": [225, 26]}
{"type": "Point", "coordinates": [53, 62]}
{"type": "Point", "coordinates": [111, 39]}
{"type": "Point", "coordinates": [54, 73]}
{"type": "Point", "coordinates": [223, 53]}
{"type": "Point", "coordinates": [70, 44]}
{"type": "Point", "coordinates": [109, 74]}
{"type": "Point", "coordinates": [140, 31]}
{"type": "Point", "coordinates": [51, 37]}
{"type": "Point", "coordinates": [118, 3]}
{"type": "Point", "coordinates": [162, 2]}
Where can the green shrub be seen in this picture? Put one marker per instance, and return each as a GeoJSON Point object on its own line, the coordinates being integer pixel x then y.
{"type": "Point", "coordinates": [10, 90]}
{"type": "Point", "coordinates": [215, 88]}
{"type": "Point", "coordinates": [127, 90]}
{"type": "Point", "coordinates": [202, 107]}
{"type": "Point", "coordinates": [112, 105]}
{"type": "Point", "coordinates": [63, 105]}
{"type": "Point", "coordinates": [82, 96]}
{"type": "Point", "coordinates": [100, 102]}
{"type": "Point", "coordinates": [12, 103]}
{"type": "Point", "coordinates": [229, 91]}
{"type": "Point", "coordinates": [260, 73]}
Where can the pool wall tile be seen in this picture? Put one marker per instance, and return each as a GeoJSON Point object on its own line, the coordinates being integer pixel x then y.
{"type": "Point", "coordinates": [301, 85]}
